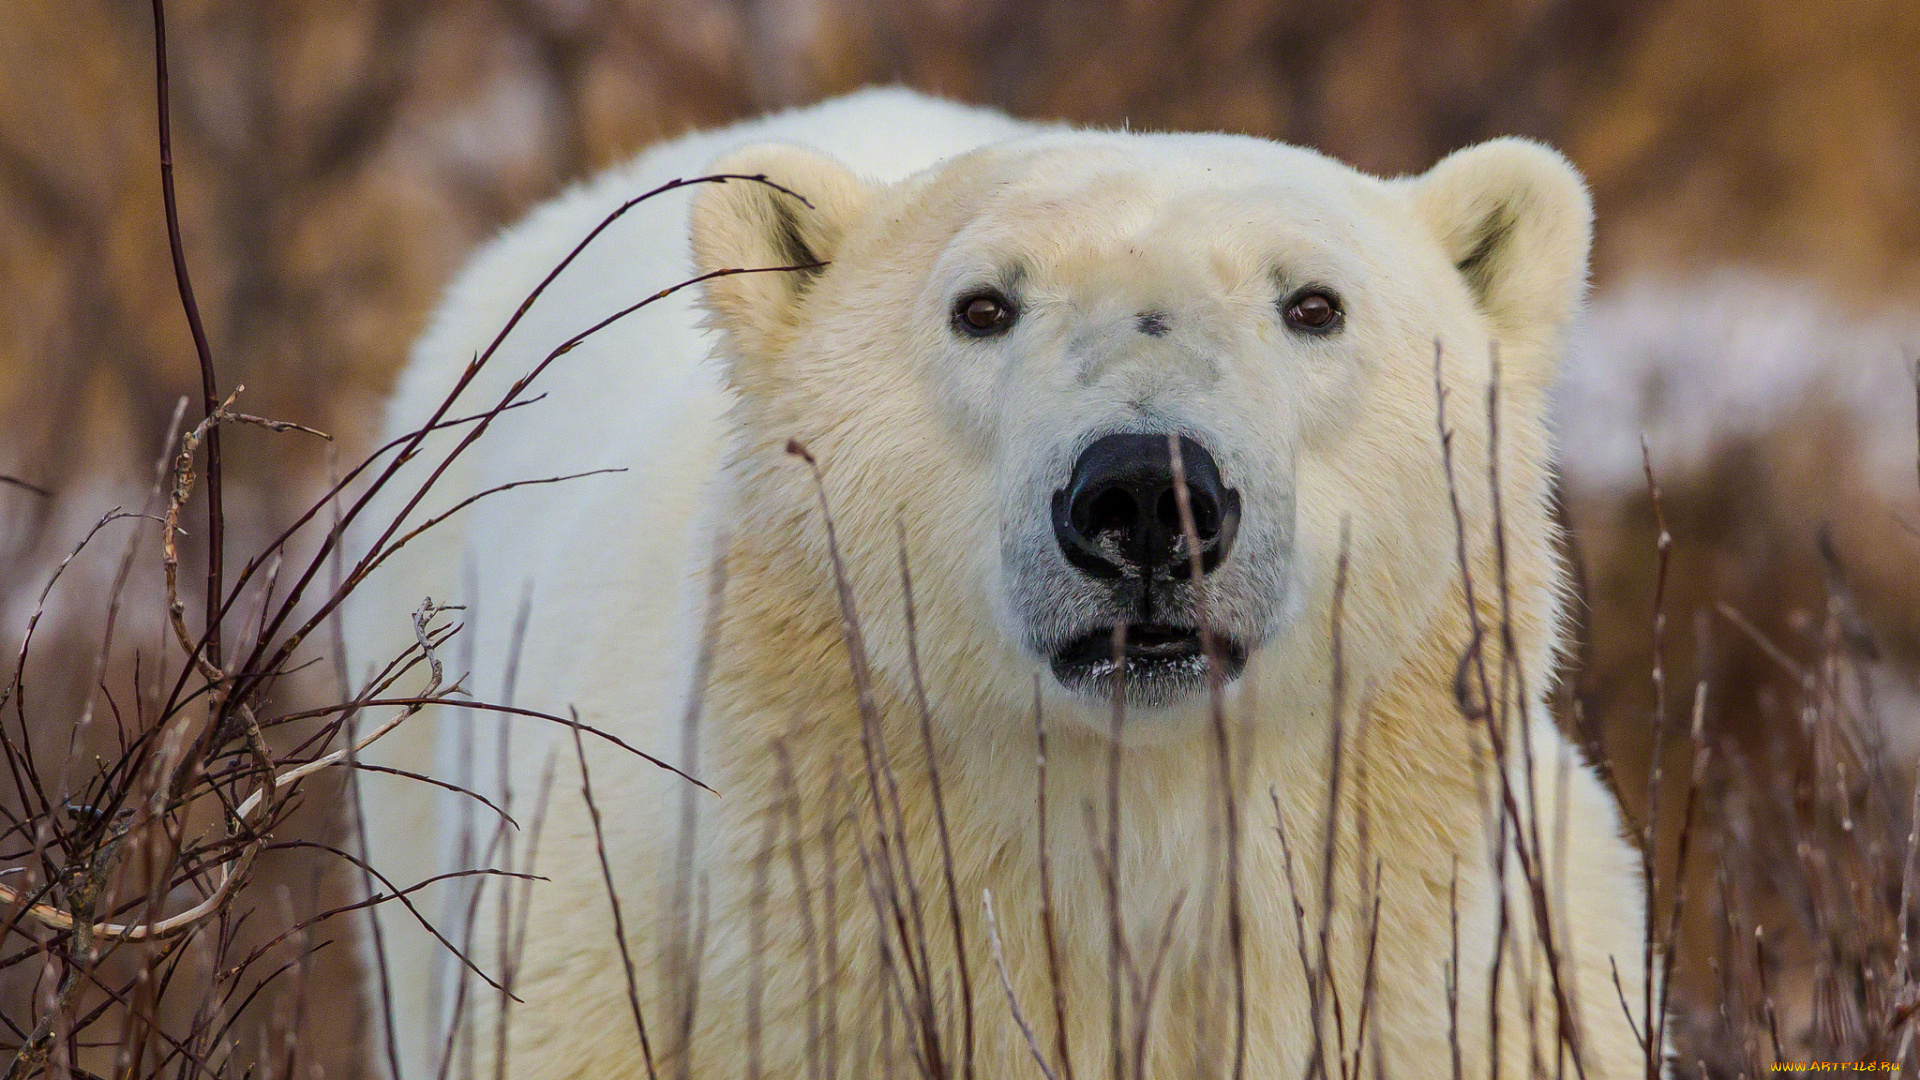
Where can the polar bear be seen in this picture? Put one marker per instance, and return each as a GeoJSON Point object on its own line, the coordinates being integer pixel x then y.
{"type": "Point", "coordinates": [970, 376]}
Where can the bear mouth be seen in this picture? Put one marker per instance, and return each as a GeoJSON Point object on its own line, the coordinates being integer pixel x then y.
{"type": "Point", "coordinates": [1164, 663]}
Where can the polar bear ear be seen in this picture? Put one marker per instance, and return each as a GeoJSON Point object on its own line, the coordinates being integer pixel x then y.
{"type": "Point", "coordinates": [746, 224]}
{"type": "Point", "coordinates": [1515, 219]}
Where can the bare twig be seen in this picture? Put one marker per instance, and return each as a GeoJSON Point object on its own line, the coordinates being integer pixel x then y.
{"type": "Point", "coordinates": [14, 481]}
{"type": "Point", "coordinates": [389, 1029]}
{"type": "Point", "coordinates": [1006, 983]}
{"type": "Point", "coordinates": [1216, 676]}
{"type": "Point", "coordinates": [1047, 929]}
{"type": "Point", "coordinates": [209, 386]}
{"type": "Point", "coordinates": [58, 919]}
{"type": "Point", "coordinates": [613, 898]}
{"type": "Point", "coordinates": [939, 809]}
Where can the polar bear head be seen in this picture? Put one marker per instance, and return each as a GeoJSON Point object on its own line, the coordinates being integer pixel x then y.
{"type": "Point", "coordinates": [993, 360]}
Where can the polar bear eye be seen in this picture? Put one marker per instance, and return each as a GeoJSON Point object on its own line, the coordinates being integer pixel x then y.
{"type": "Point", "coordinates": [983, 314]}
{"type": "Point", "coordinates": [1313, 310]}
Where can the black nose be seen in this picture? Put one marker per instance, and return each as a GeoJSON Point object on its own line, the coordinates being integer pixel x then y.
{"type": "Point", "coordinates": [1118, 515]}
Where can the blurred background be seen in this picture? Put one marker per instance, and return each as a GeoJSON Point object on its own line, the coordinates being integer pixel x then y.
{"type": "Point", "coordinates": [1756, 315]}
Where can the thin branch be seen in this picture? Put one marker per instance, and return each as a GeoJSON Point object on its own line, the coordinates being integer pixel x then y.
{"type": "Point", "coordinates": [613, 898]}
{"type": "Point", "coordinates": [14, 481]}
{"type": "Point", "coordinates": [209, 386]}
{"type": "Point", "coordinates": [1006, 983]}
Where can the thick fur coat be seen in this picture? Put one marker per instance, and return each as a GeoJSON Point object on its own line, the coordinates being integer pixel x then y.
{"type": "Point", "coordinates": [1143, 283]}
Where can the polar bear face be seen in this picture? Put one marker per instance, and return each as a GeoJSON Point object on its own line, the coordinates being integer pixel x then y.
{"type": "Point", "coordinates": [994, 361]}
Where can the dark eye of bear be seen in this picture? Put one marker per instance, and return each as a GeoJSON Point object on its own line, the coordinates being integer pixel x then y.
{"type": "Point", "coordinates": [983, 314]}
{"type": "Point", "coordinates": [1314, 310]}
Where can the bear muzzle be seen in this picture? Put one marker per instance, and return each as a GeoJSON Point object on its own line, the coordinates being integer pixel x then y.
{"type": "Point", "coordinates": [1119, 515]}
{"type": "Point", "coordinates": [1118, 522]}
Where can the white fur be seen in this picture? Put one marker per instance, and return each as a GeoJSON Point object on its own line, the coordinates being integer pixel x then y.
{"type": "Point", "coordinates": [953, 446]}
